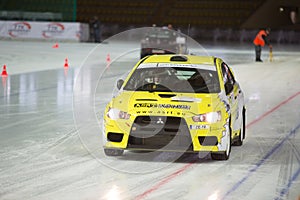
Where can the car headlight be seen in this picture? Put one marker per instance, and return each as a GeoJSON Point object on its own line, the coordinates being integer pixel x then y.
{"type": "Point", "coordinates": [114, 114]}
{"type": "Point", "coordinates": [211, 117]}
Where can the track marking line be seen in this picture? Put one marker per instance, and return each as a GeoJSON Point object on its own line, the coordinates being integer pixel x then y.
{"type": "Point", "coordinates": [187, 166]}
{"type": "Point", "coordinates": [272, 110]}
{"type": "Point", "coordinates": [164, 181]}
{"type": "Point", "coordinates": [286, 188]}
{"type": "Point", "coordinates": [260, 163]}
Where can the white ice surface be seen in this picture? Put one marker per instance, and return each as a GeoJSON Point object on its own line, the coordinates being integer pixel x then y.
{"type": "Point", "coordinates": [48, 117]}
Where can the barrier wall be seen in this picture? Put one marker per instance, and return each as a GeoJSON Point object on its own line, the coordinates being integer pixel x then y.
{"type": "Point", "coordinates": [62, 31]}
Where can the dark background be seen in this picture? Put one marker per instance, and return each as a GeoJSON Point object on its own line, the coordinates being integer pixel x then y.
{"type": "Point", "coordinates": [201, 19]}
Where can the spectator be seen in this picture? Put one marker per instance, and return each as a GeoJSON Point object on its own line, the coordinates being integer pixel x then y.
{"type": "Point", "coordinates": [96, 26]}
{"type": "Point", "coordinates": [259, 41]}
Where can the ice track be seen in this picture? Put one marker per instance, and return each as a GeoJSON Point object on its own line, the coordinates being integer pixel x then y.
{"type": "Point", "coordinates": [51, 145]}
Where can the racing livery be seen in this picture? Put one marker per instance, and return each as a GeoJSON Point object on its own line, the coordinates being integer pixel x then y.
{"type": "Point", "coordinates": [182, 103]}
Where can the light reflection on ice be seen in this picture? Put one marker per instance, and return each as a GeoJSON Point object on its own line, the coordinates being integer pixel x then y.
{"type": "Point", "coordinates": [114, 193]}
{"type": "Point", "coordinates": [214, 195]}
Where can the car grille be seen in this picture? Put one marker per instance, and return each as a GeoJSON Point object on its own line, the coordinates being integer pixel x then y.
{"type": "Point", "coordinates": [160, 132]}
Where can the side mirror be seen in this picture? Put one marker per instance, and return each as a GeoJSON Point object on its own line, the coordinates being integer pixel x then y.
{"type": "Point", "coordinates": [228, 87]}
{"type": "Point", "coordinates": [120, 83]}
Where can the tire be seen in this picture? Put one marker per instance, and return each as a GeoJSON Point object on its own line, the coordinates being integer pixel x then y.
{"type": "Point", "coordinates": [242, 134]}
{"type": "Point", "coordinates": [113, 152]}
{"type": "Point", "coordinates": [225, 154]}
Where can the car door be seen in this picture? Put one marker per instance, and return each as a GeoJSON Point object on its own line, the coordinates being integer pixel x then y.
{"type": "Point", "coordinates": [232, 90]}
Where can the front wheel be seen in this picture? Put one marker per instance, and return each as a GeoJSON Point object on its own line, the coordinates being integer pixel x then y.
{"type": "Point", "coordinates": [224, 155]}
{"type": "Point", "coordinates": [242, 133]}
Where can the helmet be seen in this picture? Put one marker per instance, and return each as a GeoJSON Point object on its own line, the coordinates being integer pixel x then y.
{"type": "Point", "coordinates": [160, 74]}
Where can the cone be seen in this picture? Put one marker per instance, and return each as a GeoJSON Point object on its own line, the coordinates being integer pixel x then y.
{"type": "Point", "coordinates": [108, 58]}
{"type": "Point", "coordinates": [108, 61]}
{"type": "Point", "coordinates": [66, 63]}
{"type": "Point", "coordinates": [4, 73]}
{"type": "Point", "coordinates": [55, 46]}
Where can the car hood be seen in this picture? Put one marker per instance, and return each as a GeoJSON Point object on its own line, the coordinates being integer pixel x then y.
{"type": "Point", "coordinates": [165, 103]}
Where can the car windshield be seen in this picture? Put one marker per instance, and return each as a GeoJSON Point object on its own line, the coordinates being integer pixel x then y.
{"type": "Point", "coordinates": [174, 79]}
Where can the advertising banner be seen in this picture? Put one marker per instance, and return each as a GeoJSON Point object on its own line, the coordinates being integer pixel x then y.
{"type": "Point", "coordinates": [44, 30]}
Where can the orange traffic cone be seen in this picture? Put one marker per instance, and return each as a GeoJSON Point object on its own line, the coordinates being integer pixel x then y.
{"type": "Point", "coordinates": [55, 46]}
{"type": "Point", "coordinates": [108, 58]}
{"type": "Point", "coordinates": [4, 72]}
{"type": "Point", "coordinates": [66, 63]}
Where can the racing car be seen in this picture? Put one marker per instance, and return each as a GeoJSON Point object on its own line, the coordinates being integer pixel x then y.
{"type": "Point", "coordinates": [181, 103]}
{"type": "Point", "coordinates": [163, 41]}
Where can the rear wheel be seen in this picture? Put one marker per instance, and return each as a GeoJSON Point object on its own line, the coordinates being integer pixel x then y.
{"type": "Point", "coordinates": [113, 152]}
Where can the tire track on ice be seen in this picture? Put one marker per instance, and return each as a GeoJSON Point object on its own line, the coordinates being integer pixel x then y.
{"type": "Point", "coordinates": [288, 173]}
{"type": "Point", "coordinates": [59, 141]}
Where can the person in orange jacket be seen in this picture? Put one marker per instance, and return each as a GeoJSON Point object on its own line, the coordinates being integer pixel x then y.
{"type": "Point", "coordinates": [259, 41]}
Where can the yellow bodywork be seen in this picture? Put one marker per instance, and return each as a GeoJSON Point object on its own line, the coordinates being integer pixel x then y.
{"type": "Point", "coordinates": [144, 103]}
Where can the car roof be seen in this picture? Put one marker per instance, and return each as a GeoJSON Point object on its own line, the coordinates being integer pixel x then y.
{"type": "Point", "coordinates": [178, 58]}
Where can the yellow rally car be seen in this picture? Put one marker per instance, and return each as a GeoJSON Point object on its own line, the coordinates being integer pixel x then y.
{"type": "Point", "coordinates": [178, 103]}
